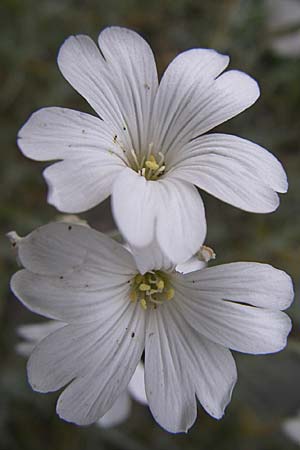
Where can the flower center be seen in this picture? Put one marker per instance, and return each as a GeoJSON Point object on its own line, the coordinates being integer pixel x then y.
{"type": "Point", "coordinates": [149, 166]}
{"type": "Point", "coordinates": [151, 289]}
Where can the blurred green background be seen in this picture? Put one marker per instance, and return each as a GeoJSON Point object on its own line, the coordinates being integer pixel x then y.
{"type": "Point", "coordinates": [251, 33]}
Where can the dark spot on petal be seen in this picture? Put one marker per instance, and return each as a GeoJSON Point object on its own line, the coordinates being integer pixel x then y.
{"type": "Point", "coordinates": [83, 131]}
{"type": "Point", "coordinates": [14, 244]}
{"type": "Point", "coordinates": [61, 277]}
{"type": "Point", "coordinates": [132, 334]}
{"type": "Point", "coordinates": [124, 128]}
{"type": "Point", "coordinates": [70, 227]}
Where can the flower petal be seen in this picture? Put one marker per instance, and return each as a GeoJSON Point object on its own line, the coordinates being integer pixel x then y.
{"type": "Point", "coordinates": [60, 133]}
{"type": "Point", "coordinates": [191, 100]}
{"type": "Point", "coordinates": [181, 223]}
{"type": "Point", "coordinates": [255, 284]}
{"type": "Point", "coordinates": [133, 77]}
{"type": "Point", "coordinates": [211, 304]}
{"type": "Point", "coordinates": [170, 392]}
{"type": "Point", "coordinates": [34, 333]}
{"type": "Point", "coordinates": [118, 413]}
{"type": "Point", "coordinates": [134, 205]}
{"type": "Point", "coordinates": [73, 298]}
{"type": "Point", "coordinates": [137, 385]}
{"type": "Point", "coordinates": [70, 267]}
{"type": "Point", "coordinates": [81, 184]}
{"type": "Point", "coordinates": [190, 72]}
{"type": "Point", "coordinates": [86, 143]}
{"type": "Point", "coordinates": [168, 212]}
{"type": "Point", "coordinates": [109, 369]}
{"type": "Point", "coordinates": [235, 170]}
{"type": "Point", "coordinates": [191, 265]}
{"type": "Point", "coordinates": [119, 82]}
{"type": "Point", "coordinates": [151, 258]}
{"type": "Point", "coordinates": [58, 248]}
{"type": "Point", "coordinates": [210, 367]}
{"type": "Point", "coordinates": [100, 358]}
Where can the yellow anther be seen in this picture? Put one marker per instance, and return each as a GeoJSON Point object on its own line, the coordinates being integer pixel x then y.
{"type": "Point", "coordinates": [133, 296]}
{"type": "Point", "coordinates": [138, 278]}
{"type": "Point", "coordinates": [151, 165]}
{"type": "Point", "coordinates": [144, 287]}
{"type": "Point", "coordinates": [169, 294]}
{"type": "Point", "coordinates": [160, 284]}
{"type": "Point", "coordinates": [143, 304]}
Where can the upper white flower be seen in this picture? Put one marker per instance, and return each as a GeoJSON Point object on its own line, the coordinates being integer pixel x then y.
{"type": "Point", "coordinates": [185, 323]}
{"type": "Point", "coordinates": [148, 147]}
{"type": "Point", "coordinates": [32, 334]}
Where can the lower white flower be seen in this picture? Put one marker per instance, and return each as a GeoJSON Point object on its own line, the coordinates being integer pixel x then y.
{"type": "Point", "coordinates": [185, 324]}
{"type": "Point", "coordinates": [33, 334]}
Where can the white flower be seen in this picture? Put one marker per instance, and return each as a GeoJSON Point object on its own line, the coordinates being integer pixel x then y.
{"type": "Point", "coordinates": [185, 324]}
{"type": "Point", "coordinates": [283, 20]}
{"type": "Point", "coordinates": [34, 333]}
{"type": "Point", "coordinates": [291, 427]}
{"type": "Point", "coordinates": [148, 147]}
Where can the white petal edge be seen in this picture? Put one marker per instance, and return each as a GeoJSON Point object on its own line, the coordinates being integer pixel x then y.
{"type": "Point", "coordinates": [184, 75]}
{"type": "Point", "coordinates": [61, 133]}
{"type": "Point", "coordinates": [88, 398]}
{"type": "Point", "coordinates": [136, 385]}
{"type": "Point", "coordinates": [58, 248]}
{"type": "Point", "coordinates": [234, 170]}
{"type": "Point", "coordinates": [119, 82]}
{"type": "Point", "coordinates": [118, 413]}
{"type": "Point", "coordinates": [169, 212]}
{"type": "Point", "coordinates": [210, 366]}
{"type": "Point", "coordinates": [216, 314]}
{"type": "Point", "coordinates": [257, 284]}
{"type": "Point", "coordinates": [170, 392]}
{"type": "Point", "coordinates": [201, 105]}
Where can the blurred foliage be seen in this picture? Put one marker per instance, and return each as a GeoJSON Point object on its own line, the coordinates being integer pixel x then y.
{"type": "Point", "coordinates": [31, 33]}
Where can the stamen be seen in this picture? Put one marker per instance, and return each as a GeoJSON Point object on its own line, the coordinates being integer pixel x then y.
{"type": "Point", "coordinates": [135, 158]}
{"type": "Point", "coordinates": [147, 164]}
{"type": "Point", "coordinates": [152, 288]}
{"type": "Point", "coordinates": [144, 287]}
{"type": "Point", "coordinates": [143, 304]}
{"type": "Point", "coordinates": [133, 296]}
{"type": "Point", "coordinates": [170, 294]}
{"type": "Point", "coordinates": [160, 284]}
{"type": "Point", "coordinates": [151, 163]}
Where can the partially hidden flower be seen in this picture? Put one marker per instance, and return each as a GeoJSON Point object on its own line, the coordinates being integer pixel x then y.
{"type": "Point", "coordinates": [32, 334]}
{"type": "Point", "coordinates": [283, 22]}
{"type": "Point", "coordinates": [148, 148]}
{"type": "Point", "coordinates": [184, 323]}
{"type": "Point", "coordinates": [291, 427]}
